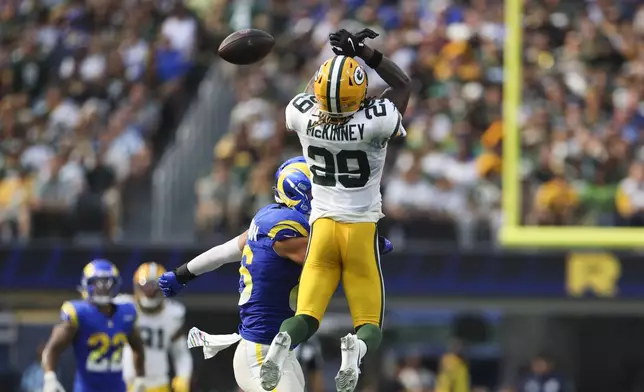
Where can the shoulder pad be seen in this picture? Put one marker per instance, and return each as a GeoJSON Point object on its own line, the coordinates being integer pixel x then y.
{"type": "Point", "coordinates": [392, 122]}
{"type": "Point", "coordinates": [69, 312]}
{"type": "Point", "coordinates": [300, 105]}
{"type": "Point", "coordinates": [282, 223]}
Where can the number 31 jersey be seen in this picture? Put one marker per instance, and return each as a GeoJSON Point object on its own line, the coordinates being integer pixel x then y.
{"type": "Point", "coordinates": [347, 160]}
{"type": "Point", "coordinates": [157, 331]}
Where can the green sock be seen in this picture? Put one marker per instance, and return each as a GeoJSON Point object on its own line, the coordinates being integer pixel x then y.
{"type": "Point", "coordinates": [300, 328]}
{"type": "Point", "coordinates": [370, 334]}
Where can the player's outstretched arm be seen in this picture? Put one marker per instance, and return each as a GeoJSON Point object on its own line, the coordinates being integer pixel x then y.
{"type": "Point", "coordinates": [172, 282]}
{"type": "Point", "coordinates": [347, 44]}
{"type": "Point", "coordinates": [399, 82]}
{"type": "Point", "coordinates": [61, 337]}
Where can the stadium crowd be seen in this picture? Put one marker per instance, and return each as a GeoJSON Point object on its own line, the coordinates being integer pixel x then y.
{"type": "Point", "coordinates": [580, 119]}
{"type": "Point", "coordinates": [90, 92]}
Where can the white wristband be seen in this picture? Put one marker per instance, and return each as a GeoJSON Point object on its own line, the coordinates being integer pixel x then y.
{"type": "Point", "coordinates": [215, 257]}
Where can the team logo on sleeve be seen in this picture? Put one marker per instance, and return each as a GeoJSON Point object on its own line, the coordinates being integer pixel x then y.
{"type": "Point", "coordinates": [359, 76]}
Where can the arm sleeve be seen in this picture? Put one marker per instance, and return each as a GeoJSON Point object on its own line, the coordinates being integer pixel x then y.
{"type": "Point", "coordinates": [289, 228]}
{"type": "Point", "coordinates": [69, 314]}
{"type": "Point", "coordinates": [215, 257]}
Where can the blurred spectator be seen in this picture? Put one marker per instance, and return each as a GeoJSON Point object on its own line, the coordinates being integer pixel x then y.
{"type": "Point", "coordinates": [126, 151]}
{"type": "Point", "coordinates": [414, 377]}
{"type": "Point", "coordinates": [99, 206]}
{"type": "Point", "coordinates": [56, 191]}
{"type": "Point", "coordinates": [63, 113]}
{"type": "Point", "coordinates": [145, 109]}
{"type": "Point", "coordinates": [33, 375]}
{"type": "Point", "coordinates": [630, 197]}
{"type": "Point", "coordinates": [15, 196]}
{"type": "Point", "coordinates": [453, 371]}
{"type": "Point", "coordinates": [213, 192]}
{"type": "Point", "coordinates": [555, 202]}
{"type": "Point", "coordinates": [181, 31]}
{"type": "Point", "coordinates": [542, 377]}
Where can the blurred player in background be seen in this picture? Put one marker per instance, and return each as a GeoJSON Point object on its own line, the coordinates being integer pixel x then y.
{"type": "Point", "coordinates": [99, 329]}
{"type": "Point", "coordinates": [344, 136]}
{"type": "Point", "coordinates": [161, 323]}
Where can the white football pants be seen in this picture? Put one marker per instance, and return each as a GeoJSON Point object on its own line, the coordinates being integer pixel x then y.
{"type": "Point", "coordinates": [248, 360]}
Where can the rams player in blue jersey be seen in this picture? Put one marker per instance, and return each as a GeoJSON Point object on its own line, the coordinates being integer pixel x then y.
{"type": "Point", "coordinates": [272, 252]}
{"type": "Point", "coordinates": [98, 330]}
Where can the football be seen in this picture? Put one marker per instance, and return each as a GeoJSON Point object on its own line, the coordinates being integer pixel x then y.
{"type": "Point", "coordinates": [246, 46]}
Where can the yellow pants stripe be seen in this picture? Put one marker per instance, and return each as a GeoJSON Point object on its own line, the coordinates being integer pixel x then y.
{"type": "Point", "coordinates": [259, 357]}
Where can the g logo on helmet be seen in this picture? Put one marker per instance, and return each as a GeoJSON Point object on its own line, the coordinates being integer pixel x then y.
{"type": "Point", "coordinates": [359, 76]}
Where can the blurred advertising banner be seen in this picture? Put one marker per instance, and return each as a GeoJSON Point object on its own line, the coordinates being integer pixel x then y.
{"type": "Point", "coordinates": [436, 273]}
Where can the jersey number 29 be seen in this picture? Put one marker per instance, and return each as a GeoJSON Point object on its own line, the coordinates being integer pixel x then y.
{"type": "Point", "coordinates": [338, 165]}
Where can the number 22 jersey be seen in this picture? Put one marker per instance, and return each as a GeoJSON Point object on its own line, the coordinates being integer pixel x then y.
{"type": "Point", "coordinates": [98, 344]}
{"type": "Point", "coordinates": [347, 160]}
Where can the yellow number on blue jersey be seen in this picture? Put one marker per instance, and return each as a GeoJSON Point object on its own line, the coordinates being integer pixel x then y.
{"type": "Point", "coordinates": [247, 280]}
{"type": "Point", "coordinates": [105, 352]}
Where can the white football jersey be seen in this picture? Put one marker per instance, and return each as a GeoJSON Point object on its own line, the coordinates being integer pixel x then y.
{"type": "Point", "coordinates": [346, 161]}
{"type": "Point", "coordinates": [157, 331]}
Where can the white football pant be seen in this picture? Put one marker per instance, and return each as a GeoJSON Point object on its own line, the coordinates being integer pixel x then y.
{"type": "Point", "coordinates": [248, 360]}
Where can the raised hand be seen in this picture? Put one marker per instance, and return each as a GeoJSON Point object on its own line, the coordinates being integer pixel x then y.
{"type": "Point", "coordinates": [343, 43]}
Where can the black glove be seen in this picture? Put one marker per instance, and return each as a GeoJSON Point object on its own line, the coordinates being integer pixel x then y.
{"type": "Point", "coordinates": [343, 43]}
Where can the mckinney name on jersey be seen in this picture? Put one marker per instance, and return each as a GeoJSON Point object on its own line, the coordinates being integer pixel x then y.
{"type": "Point", "coordinates": [335, 132]}
{"type": "Point", "coordinates": [347, 160]}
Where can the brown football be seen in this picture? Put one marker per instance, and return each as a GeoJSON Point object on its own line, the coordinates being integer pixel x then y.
{"type": "Point", "coordinates": [246, 46]}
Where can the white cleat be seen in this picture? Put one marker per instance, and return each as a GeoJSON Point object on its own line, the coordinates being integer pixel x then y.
{"type": "Point", "coordinates": [271, 370]}
{"type": "Point", "coordinates": [347, 378]}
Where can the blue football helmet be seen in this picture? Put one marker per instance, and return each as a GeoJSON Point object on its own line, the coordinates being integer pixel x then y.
{"type": "Point", "coordinates": [101, 282]}
{"type": "Point", "coordinates": [293, 185]}
{"type": "Point", "coordinates": [293, 161]}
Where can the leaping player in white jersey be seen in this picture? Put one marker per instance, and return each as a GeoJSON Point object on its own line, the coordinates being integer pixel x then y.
{"type": "Point", "coordinates": [161, 323]}
{"type": "Point", "coordinates": [344, 136]}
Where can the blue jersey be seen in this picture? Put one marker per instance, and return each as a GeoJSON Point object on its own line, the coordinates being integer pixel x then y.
{"type": "Point", "coordinates": [98, 344]}
{"type": "Point", "coordinates": [268, 282]}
